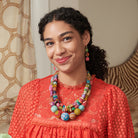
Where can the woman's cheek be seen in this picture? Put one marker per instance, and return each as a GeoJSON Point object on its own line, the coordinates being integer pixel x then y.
{"type": "Point", "coordinates": [50, 52]}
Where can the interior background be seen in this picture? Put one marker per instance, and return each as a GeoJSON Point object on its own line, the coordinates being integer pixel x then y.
{"type": "Point", "coordinates": [114, 23]}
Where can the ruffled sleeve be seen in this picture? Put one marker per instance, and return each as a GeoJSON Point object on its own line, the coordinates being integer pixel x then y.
{"type": "Point", "coordinates": [24, 109]}
{"type": "Point", "coordinates": [118, 113]}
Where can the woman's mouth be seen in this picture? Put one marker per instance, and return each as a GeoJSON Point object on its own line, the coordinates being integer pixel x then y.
{"type": "Point", "coordinates": [62, 60]}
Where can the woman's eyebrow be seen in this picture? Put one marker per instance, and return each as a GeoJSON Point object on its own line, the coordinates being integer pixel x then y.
{"type": "Point", "coordinates": [47, 39]}
{"type": "Point", "coordinates": [61, 35]}
{"type": "Point", "coordinates": [68, 32]}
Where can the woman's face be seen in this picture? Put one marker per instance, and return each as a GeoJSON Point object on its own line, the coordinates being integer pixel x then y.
{"type": "Point", "coordinates": [64, 46]}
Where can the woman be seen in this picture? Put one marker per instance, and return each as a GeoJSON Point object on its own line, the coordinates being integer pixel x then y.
{"type": "Point", "coordinates": [75, 102]}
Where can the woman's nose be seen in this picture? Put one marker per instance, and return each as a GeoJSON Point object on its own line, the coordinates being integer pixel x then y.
{"type": "Point", "coordinates": [59, 49]}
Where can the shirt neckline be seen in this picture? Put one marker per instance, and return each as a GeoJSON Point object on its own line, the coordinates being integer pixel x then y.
{"type": "Point", "coordinates": [61, 84]}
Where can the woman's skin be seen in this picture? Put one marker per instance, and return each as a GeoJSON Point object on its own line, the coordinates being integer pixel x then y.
{"type": "Point", "coordinates": [66, 50]}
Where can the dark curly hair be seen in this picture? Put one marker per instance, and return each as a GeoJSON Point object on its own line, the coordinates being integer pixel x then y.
{"type": "Point", "coordinates": [97, 64]}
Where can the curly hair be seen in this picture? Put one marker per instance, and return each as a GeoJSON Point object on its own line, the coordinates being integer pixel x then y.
{"type": "Point", "coordinates": [97, 64]}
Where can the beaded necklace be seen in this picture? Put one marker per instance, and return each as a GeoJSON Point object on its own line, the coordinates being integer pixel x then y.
{"type": "Point", "coordinates": [71, 111]}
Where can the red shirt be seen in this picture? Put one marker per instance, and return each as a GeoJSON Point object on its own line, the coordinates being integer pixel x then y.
{"type": "Point", "coordinates": [106, 114]}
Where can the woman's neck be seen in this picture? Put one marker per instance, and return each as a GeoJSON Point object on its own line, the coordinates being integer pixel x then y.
{"type": "Point", "coordinates": [73, 78]}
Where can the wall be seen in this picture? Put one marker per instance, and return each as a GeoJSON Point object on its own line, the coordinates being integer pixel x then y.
{"type": "Point", "coordinates": [38, 10]}
{"type": "Point", "coordinates": [115, 26]}
{"type": "Point", "coordinates": [60, 3]}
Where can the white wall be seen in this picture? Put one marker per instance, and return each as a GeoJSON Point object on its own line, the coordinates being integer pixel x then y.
{"type": "Point", "coordinates": [115, 26]}
{"type": "Point", "coordinates": [38, 9]}
{"type": "Point", "coordinates": [60, 3]}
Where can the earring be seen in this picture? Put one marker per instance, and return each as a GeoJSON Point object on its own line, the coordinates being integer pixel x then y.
{"type": "Point", "coordinates": [54, 68]}
{"type": "Point", "coordinates": [87, 54]}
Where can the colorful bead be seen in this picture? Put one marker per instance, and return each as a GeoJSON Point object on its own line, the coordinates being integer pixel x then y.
{"type": "Point", "coordinates": [60, 107]}
{"type": "Point", "coordinates": [81, 100]}
{"type": "Point", "coordinates": [86, 98]}
{"type": "Point", "coordinates": [56, 99]}
{"type": "Point", "coordinates": [58, 114]}
{"type": "Point", "coordinates": [52, 103]}
{"type": "Point", "coordinates": [83, 95]}
{"type": "Point", "coordinates": [87, 58]}
{"type": "Point", "coordinates": [88, 93]}
{"type": "Point", "coordinates": [72, 110]}
{"type": "Point", "coordinates": [65, 116]}
{"type": "Point", "coordinates": [72, 116]}
{"type": "Point", "coordinates": [71, 105]}
{"type": "Point", "coordinates": [54, 108]}
{"type": "Point", "coordinates": [86, 49]}
{"type": "Point", "coordinates": [51, 99]}
{"type": "Point", "coordinates": [66, 109]}
{"type": "Point", "coordinates": [55, 83]}
{"type": "Point", "coordinates": [77, 111]}
{"type": "Point", "coordinates": [57, 104]}
{"type": "Point", "coordinates": [76, 106]}
{"type": "Point", "coordinates": [81, 107]}
{"type": "Point", "coordinates": [55, 79]}
{"type": "Point", "coordinates": [54, 88]}
{"type": "Point", "coordinates": [54, 92]}
{"type": "Point", "coordinates": [50, 88]}
{"type": "Point", "coordinates": [88, 81]}
{"type": "Point", "coordinates": [55, 96]}
{"type": "Point", "coordinates": [84, 103]}
{"type": "Point", "coordinates": [85, 92]}
{"type": "Point", "coordinates": [52, 78]}
{"type": "Point", "coordinates": [87, 54]}
{"type": "Point", "coordinates": [78, 103]}
{"type": "Point", "coordinates": [56, 76]}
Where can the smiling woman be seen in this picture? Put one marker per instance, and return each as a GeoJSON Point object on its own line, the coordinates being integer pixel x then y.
{"type": "Point", "coordinates": [65, 47]}
{"type": "Point", "coordinates": [74, 101]}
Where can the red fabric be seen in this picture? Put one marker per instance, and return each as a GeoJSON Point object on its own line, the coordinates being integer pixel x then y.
{"type": "Point", "coordinates": [106, 115]}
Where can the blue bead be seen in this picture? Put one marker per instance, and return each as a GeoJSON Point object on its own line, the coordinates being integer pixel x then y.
{"type": "Point", "coordinates": [81, 107]}
{"type": "Point", "coordinates": [56, 76]}
{"type": "Point", "coordinates": [52, 78]}
{"type": "Point", "coordinates": [88, 81]}
{"type": "Point", "coordinates": [54, 108]}
{"type": "Point", "coordinates": [65, 116]}
{"type": "Point", "coordinates": [54, 92]}
{"type": "Point", "coordinates": [55, 96]}
{"type": "Point", "coordinates": [63, 108]}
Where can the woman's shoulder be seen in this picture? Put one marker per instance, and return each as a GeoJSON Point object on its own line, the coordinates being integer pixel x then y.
{"type": "Point", "coordinates": [108, 89]}
{"type": "Point", "coordinates": [110, 94]}
{"type": "Point", "coordinates": [34, 83]}
{"type": "Point", "coordinates": [34, 86]}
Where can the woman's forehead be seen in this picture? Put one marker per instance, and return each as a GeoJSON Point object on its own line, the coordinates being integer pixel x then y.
{"type": "Point", "coordinates": [58, 28]}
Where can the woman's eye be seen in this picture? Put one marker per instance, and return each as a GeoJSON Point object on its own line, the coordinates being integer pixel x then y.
{"type": "Point", "coordinates": [67, 38]}
{"type": "Point", "coordinates": [49, 43]}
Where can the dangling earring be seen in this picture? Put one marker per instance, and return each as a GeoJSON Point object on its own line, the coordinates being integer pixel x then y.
{"type": "Point", "coordinates": [87, 54]}
{"type": "Point", "coordinates": [54, 68]}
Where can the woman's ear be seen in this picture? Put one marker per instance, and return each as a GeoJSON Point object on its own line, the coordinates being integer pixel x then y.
{"type": "Point", "coordinates": [86, 38]}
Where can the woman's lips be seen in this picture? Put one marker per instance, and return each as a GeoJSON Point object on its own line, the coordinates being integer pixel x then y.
{"type": "Point", "coordinates": [62, 60]}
